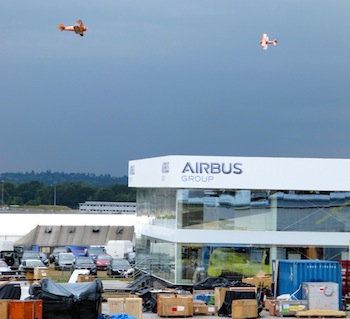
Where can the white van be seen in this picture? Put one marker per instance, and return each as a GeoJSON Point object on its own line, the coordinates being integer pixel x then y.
{"type": "Point", "coordinates": [119, 248]}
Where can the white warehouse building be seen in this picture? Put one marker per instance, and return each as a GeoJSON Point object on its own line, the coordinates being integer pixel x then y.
{"type": "Point", "coordinates": [96, 207]}
{"type": "Point", "coordinates": [213, 215]}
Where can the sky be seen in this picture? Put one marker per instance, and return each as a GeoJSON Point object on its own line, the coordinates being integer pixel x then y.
{"type": "Point", "coordinates": [171, 77]}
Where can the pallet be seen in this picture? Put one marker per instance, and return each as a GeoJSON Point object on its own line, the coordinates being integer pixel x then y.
{"type": "Point", "coordinates": [318, 313]}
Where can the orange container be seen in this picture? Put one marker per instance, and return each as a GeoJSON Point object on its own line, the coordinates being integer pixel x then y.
{"type": "Point", "coordinates": [26, 309]}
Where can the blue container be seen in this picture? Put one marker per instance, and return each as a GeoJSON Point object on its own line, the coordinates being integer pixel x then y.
{"type": "Point", "coordinates": [288, 275]}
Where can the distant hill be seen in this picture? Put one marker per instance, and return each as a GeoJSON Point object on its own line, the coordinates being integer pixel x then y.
{"type": "Point", "coordinates": [59, 178]}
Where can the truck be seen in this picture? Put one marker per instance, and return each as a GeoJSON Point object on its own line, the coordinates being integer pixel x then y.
{"type": "Point", "coordinates": [119, 248]}
{"type": "Point", "coordinates": [6, 245]}
{"type": "Point", "coordinates": [12, 259]}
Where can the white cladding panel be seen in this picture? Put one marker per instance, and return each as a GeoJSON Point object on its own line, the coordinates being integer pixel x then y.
{"type": "Point", "coordinates": [241, 173]}
{"type": "Point", "coordinates": [280, 238]}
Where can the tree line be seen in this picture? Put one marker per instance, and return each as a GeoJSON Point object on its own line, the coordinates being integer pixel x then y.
{"type": "Point", "coordinates": [35, 193]}
{"type": "Point", "coordinates": [51, 178]}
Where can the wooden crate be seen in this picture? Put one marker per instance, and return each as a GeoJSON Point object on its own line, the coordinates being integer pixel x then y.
{"type": "Point", "coordinates": [130, 306]}
{"type": "Point", "coordinates": [270, 305]}
{"type": "Point", "coordinates": [220, 293]}
{"type": "Point", "coordinates": [244, 308]}
{"type": "Point", "coordinates": [163, 297]}
{"type": "Point", "coordinates": [206, 293]}
{"type": "Point", "coordinates": [203, 309]}
{"type": "Point", "coordinates": [133, 307]}
{"type": "Point", "coordinates": [4, 308]}
{"type": "Point", "coordinates": [107, 295]}
{"type": "Point", "coordinates": [319, 313]}
{"type": "Point", "coordinates": [115, 306]}
{"type": "Point", "coordinates": [181, 305]}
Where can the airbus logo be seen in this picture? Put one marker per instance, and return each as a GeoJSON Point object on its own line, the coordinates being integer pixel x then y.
{"type": "Point", "coordinates": [213, 168]}
{"type": "Point", "coordinates": [202, 172]}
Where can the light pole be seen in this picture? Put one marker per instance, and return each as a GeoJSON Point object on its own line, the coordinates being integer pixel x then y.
{"type": "Point", "coordinates": [2, 194]}
{"type": "Point", "coordinates": [54, 194]}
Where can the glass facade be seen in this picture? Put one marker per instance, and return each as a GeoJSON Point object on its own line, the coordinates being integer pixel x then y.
{"type": "Point", "coordinates": [236, 210]}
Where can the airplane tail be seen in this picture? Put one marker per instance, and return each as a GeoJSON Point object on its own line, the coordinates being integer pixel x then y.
{"type": "Point", "coordinates": [61, 27]}
{"type": "Point", "coordinates": [274, 42]}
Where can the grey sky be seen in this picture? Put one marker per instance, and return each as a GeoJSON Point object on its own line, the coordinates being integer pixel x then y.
{"type": "Point", "coordinates": [164, 77]}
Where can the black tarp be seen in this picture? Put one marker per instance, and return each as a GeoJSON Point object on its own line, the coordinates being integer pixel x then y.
{"type": "Point", "coordinates": [10, 291]}
{"type": "Point", "coordinates": [76, 291]}
{"type": "Point", "coordinates": [69, 300]}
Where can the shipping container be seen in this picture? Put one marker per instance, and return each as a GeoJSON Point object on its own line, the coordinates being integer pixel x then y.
{"type": "Point", "coordinates": [289, 275]}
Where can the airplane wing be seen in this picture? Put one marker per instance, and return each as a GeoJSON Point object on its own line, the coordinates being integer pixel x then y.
{"type": "Point", "coordinates": [264, 41]}
{"type": "Point", "coordinates": [79, 23]}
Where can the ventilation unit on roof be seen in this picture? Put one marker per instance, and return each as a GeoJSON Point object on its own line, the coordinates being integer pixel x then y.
{"type": "Point", "coordinates": [48, 230]}
{"type": "Point", "coordinates": [95, 229]}
{"type": "Point", "coordinates": [119, 230]}
{"type": "Point", "coordinates": [71, 230]}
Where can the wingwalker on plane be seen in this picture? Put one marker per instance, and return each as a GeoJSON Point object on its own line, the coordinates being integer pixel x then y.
{"type": "Point", "coordinates": [265, 41]}
{"type": "Point", "coordinates": [78, 27]}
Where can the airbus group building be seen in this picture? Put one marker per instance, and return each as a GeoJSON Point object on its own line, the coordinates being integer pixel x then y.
{"type": "Point", "coordinates": [200, 216]}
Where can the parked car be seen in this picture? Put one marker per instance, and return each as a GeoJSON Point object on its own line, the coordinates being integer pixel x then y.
{"type": "Point", "coordinates": [64, 261]}
{"type": "Point", "coordinates": [85, 263]}
{"type": "Point", "coordinates": [30, 254]}
{"type": "Point", "coordinates": [44, 259]}
{"type": "Point", "coordinates": [6, 273]}
{"type": "Point", "coordinates": [29, 264]}
{"type": "Point", "coordinates": [118, 267]}
{"type": "Point", "coordinates": [56, 251]}
{"type": "Point", "coordinates": [92, 252]}
{"type": "Point", "coordinates": [102, 261]}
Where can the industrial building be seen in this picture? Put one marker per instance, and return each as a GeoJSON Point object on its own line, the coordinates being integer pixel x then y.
{"type": "Point", "coordinates": [216, 215]}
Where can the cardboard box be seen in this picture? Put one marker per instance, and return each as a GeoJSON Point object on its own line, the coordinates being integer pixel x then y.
{"type": "Point", "coordinates": [270, 305]}
{"type": "Point", "coordinates": [85, 278]}
{"type": "Point", "coordinates": [245, 308]}
{"type": "Point", "coordinates": [130, 306]}
{"type": "Point", "coordinates": [38, 273]}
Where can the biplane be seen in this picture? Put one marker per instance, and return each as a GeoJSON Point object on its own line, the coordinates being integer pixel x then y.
{"type": "Point", "coordinates": [264, 42]}
{"type": "Point", "coordinates": [78, 27]}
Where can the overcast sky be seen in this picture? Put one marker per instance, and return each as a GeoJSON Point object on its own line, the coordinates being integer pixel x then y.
{"type": "Point", "coordinates": [171, 77]}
